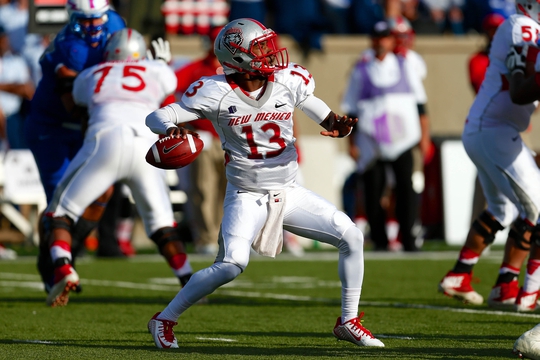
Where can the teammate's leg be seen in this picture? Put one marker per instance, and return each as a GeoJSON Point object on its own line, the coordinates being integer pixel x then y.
{"type": "Point", "coordinates": [65, 277]}
{"type": "Point", "coordinates": [86, 223]}
{"type": "Point", "coordinates": [511, 184]}
{"type": "Point", "coordinates": [151, 195]}
{"type": "Point", "coordinates": [516, 249]}
{"type": "Point", "coordinates": [90, 174]}
{"type": "Point", "coordinates": [527, 298]}
{"type": "Point", "coordinates": [457, 282]}
{"type": "Point", "coordinates": [89, 221]}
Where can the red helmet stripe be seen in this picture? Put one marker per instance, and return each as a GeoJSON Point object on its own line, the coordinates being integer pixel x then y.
{"type": "Point", "coordinates": [258, 23]}
{"type": "Point", "coordinates": [522, 9]}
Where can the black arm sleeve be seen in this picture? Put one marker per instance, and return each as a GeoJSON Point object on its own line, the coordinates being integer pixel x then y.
{"type": "Point", "coordinates": [421, 109]}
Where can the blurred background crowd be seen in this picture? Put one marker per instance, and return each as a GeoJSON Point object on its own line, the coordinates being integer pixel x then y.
{"type": "Point", "coordinates": [27, 28]}
{"type": "Point", "coordinates": [308, 20]}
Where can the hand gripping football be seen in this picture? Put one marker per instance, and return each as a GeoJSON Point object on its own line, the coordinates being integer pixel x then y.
{"type": "Point", "coordinates": [174, 153]}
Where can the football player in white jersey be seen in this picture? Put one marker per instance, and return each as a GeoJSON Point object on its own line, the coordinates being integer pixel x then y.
{"type": "Point", "coordinates": [506, 169]}
{"type": "Point", "coordinates": [119, 93]}
{"type": "Point", "coordinates": [524, 89]}
{"type": "Point", "coordinates": [251, 107]}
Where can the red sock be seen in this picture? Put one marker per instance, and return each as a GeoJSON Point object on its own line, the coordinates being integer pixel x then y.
{"type": "Point", "coordinates": [468, 257]}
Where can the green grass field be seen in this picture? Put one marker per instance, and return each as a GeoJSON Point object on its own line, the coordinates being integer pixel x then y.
{"type": "Point", "coordinates": [280, 308]}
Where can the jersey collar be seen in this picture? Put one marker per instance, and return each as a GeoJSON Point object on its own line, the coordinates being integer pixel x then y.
{"type": "Point", "coordinates": [263, 97]}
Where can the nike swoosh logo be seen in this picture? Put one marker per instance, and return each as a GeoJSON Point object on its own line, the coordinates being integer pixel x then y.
{"type": "Point", "coordinates": [515, 138]}
{"type": "Point", "coordinates": [277, 194]}
{"type": "Point", "coordinates": [168, 150]}
{"type": "Point", "coordinates": [279, 105]}
{"type": "Point", "coordinates": [166, 345]}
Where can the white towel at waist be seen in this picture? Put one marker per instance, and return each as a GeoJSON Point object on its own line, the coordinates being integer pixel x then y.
{"type": "Point", "coordinates": [269, 240]}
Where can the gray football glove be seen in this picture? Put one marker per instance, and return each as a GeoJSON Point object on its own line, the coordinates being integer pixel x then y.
{"type": "Point", "coordinates": [516, 59]}
{"type": "Point", "coordinates": [162, 50]}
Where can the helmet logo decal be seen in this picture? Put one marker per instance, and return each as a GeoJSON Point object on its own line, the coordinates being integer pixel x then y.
{"type": "Point", "coordinates": [233, 35]}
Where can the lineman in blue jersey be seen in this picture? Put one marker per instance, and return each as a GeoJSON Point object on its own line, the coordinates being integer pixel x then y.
{"type": "Point", "coordinates": [53, 133]}
{"type": "Point", "coordinates": [53, 127]}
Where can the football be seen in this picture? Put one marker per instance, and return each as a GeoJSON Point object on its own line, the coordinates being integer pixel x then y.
{"type": "Point", "coordinates": [174, 153]}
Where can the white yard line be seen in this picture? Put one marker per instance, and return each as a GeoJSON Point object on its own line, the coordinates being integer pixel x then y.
{"type": "Point", "coordinates": [382, 336]}
{"type": "Point", "coordinates": [34, 341]}
{"type": "Point", "coordinates": [216, 339]}
{"type": "Point", "coordinates": [29, 281]}
{"type": "Point", "coordinates": [32, 282]}
{"type": "Point", "coordinates": [493, 255]}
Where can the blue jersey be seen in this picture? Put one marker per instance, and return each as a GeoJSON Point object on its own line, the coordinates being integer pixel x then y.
{"type": "Point", "coordinates": [75, 53]}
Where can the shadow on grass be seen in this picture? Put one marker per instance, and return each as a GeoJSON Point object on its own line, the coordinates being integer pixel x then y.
{"type": "Point", "coordinates": [464, 338]}
{"type": "Point", "coordinates": [226, 300]}
{"type": "Point", "coordinates": [325, 349]}
{"type": "Point", "coordinates": [213, 299]}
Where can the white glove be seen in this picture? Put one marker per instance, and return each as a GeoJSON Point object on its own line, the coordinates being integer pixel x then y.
{"type": "Point", "coordinates": [516, 59]}
{"type": "Point", "coordinates": [162, 49]}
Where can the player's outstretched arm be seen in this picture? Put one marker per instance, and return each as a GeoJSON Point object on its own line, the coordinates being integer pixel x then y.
{"type": "Point", "coordinates": [338, 126]}
{"type": "Point", "coordinates": [335, 125]}
{"type": "Point", "coordinates": [168, 117]}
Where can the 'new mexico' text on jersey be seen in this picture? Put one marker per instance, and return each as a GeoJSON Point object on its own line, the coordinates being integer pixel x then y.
{"type": "Point", "coordinates": [253, 128]}
{"type": "Point", "coordinates": [493, 104]}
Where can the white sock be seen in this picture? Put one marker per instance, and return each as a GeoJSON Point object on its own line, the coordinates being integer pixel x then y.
{"type": "Point", "coordinates": [349, 303]}
{"type": "Point", "coordinates": [201, 284]}
{"type": "Point", "coordinates": [532, 277]}
{"type": "Point", "coordinates": [58, 250]}
{"type": "Point", "coordinates": [351, 271]}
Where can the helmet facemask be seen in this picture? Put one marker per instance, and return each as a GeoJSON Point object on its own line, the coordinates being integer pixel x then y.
{"type": "Point", "coordinates": [90, 33]}
{"type": "Point", "coordinates": [267, 58]}
{"type": "Point", "coordinates": [246, 46]}
{"type": "Point", "coordinates": [83, 12]}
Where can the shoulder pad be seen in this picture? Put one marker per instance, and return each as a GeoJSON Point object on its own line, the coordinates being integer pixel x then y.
{"type": "Point", "coordinates": [201, 93]}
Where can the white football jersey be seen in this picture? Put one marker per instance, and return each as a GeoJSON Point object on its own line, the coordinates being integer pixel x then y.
{"type": "Point", "coordinates": [493, 105]}
{"type": "Point", "coordinates": [254, 131]}
{"type": "Point", "coordinates": [123, 92]}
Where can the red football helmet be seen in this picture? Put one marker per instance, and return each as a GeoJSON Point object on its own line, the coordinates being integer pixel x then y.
{"type": "Point", "coordinates": [247, 46]}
